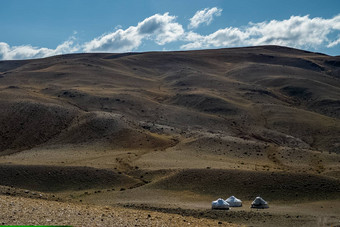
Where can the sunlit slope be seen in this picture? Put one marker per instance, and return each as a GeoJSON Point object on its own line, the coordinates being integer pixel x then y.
{"type": "Point", "coordinates": [271, 94]}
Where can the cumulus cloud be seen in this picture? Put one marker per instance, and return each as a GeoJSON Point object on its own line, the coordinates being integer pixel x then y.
{"type": "Point", "coordinates": [119, 41]}
{"type": "Point", "coordinates": [160, 28]}
{"type": "Point", "coordinates": [297, 31]}
{"type": "Point", "coordinates": [204, 16]}
{"type": "Point", "coordinates": [27, 51]}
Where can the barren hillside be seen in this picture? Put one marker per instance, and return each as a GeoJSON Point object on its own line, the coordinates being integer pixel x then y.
{"type": "Point", "coordinates": [173, 123]}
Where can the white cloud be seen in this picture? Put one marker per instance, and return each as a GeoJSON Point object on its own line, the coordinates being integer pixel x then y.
{"type": "Point", "coordinates": [27, 51]}
{"type": "Point", "coordinates": [220, 38]}
{"type": "Point", "coordinates": [119, 41]}
{"type": "Point", "coordinates": [204, 16]}
{"type": "Point", "coordinates": [334, 43]}
{"type": "Point", "coordinates": [160, 28]}
{"type": "Point", "coordinates": [297, 31]}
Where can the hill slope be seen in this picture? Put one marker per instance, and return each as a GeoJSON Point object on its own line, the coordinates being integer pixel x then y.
{"type": "Point", "coordinates": [272, 94]}
{"type": "Point", "coordinates": [173, 123]}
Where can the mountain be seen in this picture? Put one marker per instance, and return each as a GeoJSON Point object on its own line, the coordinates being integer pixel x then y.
{"type": "Point", "coordinates": [173, 121]}
{"type": "Point", "coordinates": [271, 94]}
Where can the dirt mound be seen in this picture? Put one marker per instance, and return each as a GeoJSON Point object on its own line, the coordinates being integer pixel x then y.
{"type": "Point", "coordinates": [90, 127]}
{"type": "Point", "coordinates": [27, 123]}
{"type": "Point", "coordinates": [111, 129]}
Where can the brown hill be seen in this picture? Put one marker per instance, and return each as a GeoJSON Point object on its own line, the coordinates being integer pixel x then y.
{"type": "Point", "coordinates": [241, 92]}
{"type": "Point", "coordinates": [178, 123]}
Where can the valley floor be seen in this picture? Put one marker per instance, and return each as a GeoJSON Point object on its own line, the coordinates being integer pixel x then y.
{"type": "Point", "coordinates": [28, 211]}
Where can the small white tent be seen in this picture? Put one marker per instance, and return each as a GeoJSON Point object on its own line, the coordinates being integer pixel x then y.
{"type": "Point", "coordinates": [234, 202]}
{"type": "Point", "coordinates": [220, 204]}
{"type": "Point", "coordinates": [259, 203]}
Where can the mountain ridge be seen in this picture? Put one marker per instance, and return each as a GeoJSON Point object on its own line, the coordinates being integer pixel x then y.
{"type": "Point", "coordinates": [212, 83]}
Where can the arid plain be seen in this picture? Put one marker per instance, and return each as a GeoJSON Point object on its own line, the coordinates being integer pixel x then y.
{"type": "Point", "coordinates": [155, 137]}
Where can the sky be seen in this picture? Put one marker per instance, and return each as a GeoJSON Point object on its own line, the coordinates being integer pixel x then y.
{"type": "Point", "coordinates": [42, 28]}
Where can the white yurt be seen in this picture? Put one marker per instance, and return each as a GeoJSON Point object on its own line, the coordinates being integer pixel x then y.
{"type": "Point", "coordinates": [234, 202]}
{"type": "Point", "coordinates": [219, 204]}
{"type": "Point", "coordinates": [259, 203]}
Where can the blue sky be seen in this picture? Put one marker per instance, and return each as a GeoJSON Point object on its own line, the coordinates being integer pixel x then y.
{"type": "Point", "coordinates": [40, 28]}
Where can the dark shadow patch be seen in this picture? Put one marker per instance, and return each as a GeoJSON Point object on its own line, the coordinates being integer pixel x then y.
{"type": "Point", "coordinates": [297, 92]}
{"type": "Point", "coordinates": [56, 178]}
{"type": "Point", "coordinates": [13, 87]}
{"type": "Point", "coordinates": [11, 64]}
{"type": "Point", "coordinates": [333, 63]}
{"type": "Point", "coordinates": [120, 55]}
{"type": "Point", "coordinates": [248, 184]}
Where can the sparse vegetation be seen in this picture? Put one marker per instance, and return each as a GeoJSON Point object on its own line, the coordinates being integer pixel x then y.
{"type": "Point", "coordinates": [172, 131]}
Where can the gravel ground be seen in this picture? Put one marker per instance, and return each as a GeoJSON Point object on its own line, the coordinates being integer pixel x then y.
{"type": "Point", "coordinates": [25, 211]}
